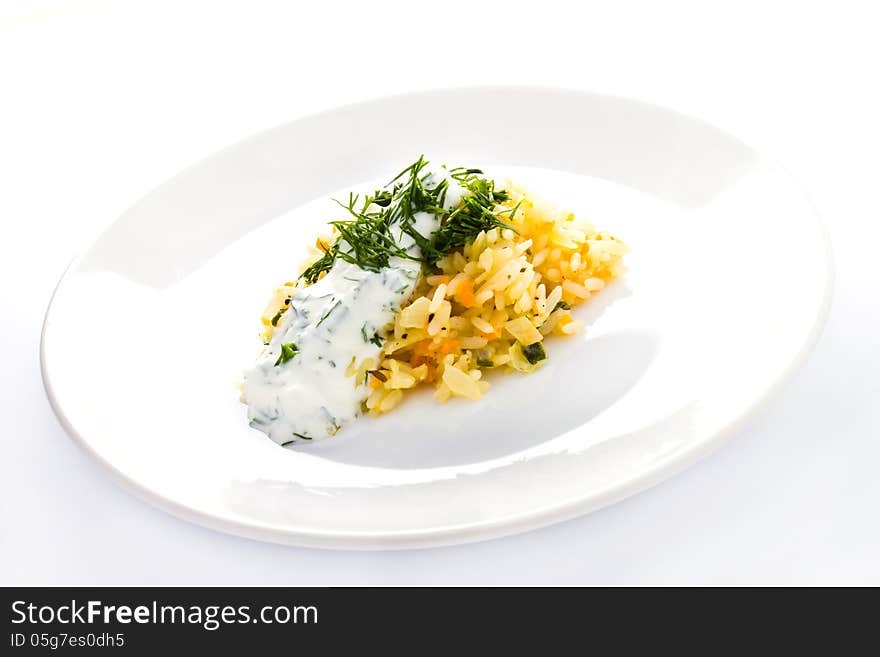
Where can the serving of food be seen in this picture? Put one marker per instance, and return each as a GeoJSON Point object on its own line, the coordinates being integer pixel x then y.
{"type": "Point", "coordinates": [432, 288]}
{"type": "Point", "coordinates": [438, 278]}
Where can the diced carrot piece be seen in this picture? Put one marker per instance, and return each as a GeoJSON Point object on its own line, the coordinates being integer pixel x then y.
{"type": "Point", "coordinates": [448, 346]}
{"type": "Point", "coordinates": [422, 348]}
{"type": "Point", "coordinates": [465, 293]}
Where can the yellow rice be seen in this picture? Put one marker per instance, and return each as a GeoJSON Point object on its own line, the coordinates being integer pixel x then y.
{"type": "Point", "coordinates": [484, 303]}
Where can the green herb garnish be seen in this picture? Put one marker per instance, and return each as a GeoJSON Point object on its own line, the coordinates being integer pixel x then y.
{"type": "Point", "coordinates": [534, 353]}
{"type": "Point", "coordinates": [474, 215]}
{"type": "Point", "coordinates": [327, 314]}
{"type": "Point", "coordinates": [485, 362]}
{"type": "Point", "coordinates": [277, 316]}
{"type": "Point", "coordinates": [366, 239]}
{"type": "Point", "coordinates": [288, 351]}
{"type": "Point", "coordinates": [562, 304]}
{"type": "Point", "coordinates": [376, 340]}
{"type": "Point", "coordinates": [324, 263]}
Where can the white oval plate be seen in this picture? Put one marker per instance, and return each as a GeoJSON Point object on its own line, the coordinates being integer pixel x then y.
{"type": "Point", "coordinates": [729, 284]}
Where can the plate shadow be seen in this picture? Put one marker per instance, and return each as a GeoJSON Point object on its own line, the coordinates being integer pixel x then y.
{"type": "Point", "coordinates": [582, 379]}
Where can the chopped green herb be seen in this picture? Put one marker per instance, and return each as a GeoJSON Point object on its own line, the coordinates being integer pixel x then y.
{"type": "Point", "coordinates": [376, 339]}
{"type": "Point", "coordinates": [383, 199]}
{"type": "Point", "coordinates": [299, 435]}
{"type": "Point", "coordinates": [485, 362]}
{"type": "Point", "coordinates": [366, 239]}
{"type": "Point", "coordinates": [534, 352]}
{"type": "Point", "coordinates": [288, 442]}
{"type": "Point", "coordinates": [277, 316]}
{"type": "Point", "coordinates": [474, 215]}
{"type": "Point", "coordinates": [288, 351]}
{"type": "Point", "coordinates": [562, 304]}
{"type": "Point", "coordinates": [327, 314]}
{"type": "Point", "coordinates": [324, 263]}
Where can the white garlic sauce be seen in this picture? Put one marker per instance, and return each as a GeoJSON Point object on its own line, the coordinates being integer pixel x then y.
{"type": "Point", "coordinates": [333, 323]}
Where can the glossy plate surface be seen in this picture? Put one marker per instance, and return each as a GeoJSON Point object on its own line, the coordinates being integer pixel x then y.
{"type": "Point", "coordinates": [729, 284]}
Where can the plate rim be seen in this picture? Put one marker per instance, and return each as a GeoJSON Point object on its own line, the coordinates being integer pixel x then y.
{"type": "Point", "coordinates": [470, 532]}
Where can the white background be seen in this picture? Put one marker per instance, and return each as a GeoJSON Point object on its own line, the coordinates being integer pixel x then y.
{"type": "Point", "coordinates": [101, 101]}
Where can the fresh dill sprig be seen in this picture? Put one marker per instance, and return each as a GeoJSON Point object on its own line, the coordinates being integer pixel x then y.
{"type": "Point", "coordinates": [313, 272]}
{"type": "Point", "coordinates": [475, 213]}
{"type": "Point", "coordinates": [366, 239]}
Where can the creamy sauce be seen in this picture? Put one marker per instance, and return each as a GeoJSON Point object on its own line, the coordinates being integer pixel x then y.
{"type": "Point", "coordinates": [333, 322]}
